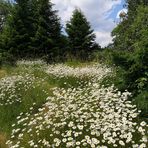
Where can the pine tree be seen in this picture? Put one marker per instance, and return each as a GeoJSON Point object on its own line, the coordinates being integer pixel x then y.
{"type": "Point", "coordinates": [80, 35]}
{"type": "Point", "coordinates": [48, 30]}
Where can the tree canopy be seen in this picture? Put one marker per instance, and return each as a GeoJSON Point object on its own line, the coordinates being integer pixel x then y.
{"type": "Point", "coordinates": [81, 36]}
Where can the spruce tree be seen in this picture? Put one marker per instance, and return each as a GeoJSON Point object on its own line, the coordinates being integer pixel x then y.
{"type": "Point", "coordinates": [48, 30]}
{"type": "Point", "coordinates": [21, 29]}
{"type": "Point", "coordinates": [80, 35]}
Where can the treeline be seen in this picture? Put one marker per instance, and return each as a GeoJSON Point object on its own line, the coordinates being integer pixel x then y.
{"type": "Point", "coordinates": [130, 51]}
{"type": "Point", "coordinates": [32, 29]}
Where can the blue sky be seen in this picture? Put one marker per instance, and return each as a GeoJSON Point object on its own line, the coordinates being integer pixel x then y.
{"type": "Point", "coordinates": [100, 13]}
{"type": "Point", "coordinates": [117, 8]}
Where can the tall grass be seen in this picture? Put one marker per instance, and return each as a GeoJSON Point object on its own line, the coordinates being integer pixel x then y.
{"type": "Point", "coordinates": [35, 96]}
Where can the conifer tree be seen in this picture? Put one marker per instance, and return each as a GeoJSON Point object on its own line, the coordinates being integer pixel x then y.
{"type": "Point", "coordinates": [48, 30]}
{"type": "Point", "coordinates": [5, 10]}
{"type": "Point", "coordinates": [80, 35]}
{"type": "Point", "coordinates": [21, 29]}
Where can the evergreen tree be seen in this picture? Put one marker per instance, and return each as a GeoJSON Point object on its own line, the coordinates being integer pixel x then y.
{"type": "Point", "coordinates": [21, 29]}
{"type": "Point", "coordinates": [80, 35]}
{"type": "Point", "coordinates": [48, 30]}
{"type": "Point", "coordinates": [5, 10]}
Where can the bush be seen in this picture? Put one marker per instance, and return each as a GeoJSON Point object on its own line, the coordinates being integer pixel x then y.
{"type": "Point", "coordinates": [141, 101]}
{"type": "Point", "coordinates": [6, 59]}
{"type": "Point", "coordinates": [102, 56]}
{"type": "Point", "coordinates": [134, 65]}
{"type": "Point", "coordinates": [134, 60]}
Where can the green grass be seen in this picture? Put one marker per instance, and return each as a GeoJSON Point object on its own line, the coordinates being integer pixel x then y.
{"type": "Point", "coordinates": [36, 94]}
{"type": "Point", "coordinates": [3, 73]}
{"type": "Point", "coordinates": [10, 112]}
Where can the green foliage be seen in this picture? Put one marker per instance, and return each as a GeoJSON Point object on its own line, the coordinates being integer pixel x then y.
{"type": "Point", "coordinates": [131, 54]}
{"type": "Point", "coordinates": [20, 29]}
{"type": "Point", "coordinates": [128, 31]}
{"type": "Point", "coordinates": [33, 30]}
{"type": "Point", "coordinates": [5, 10]}
{"type": "Point", "coordinates": [135, 62]}
{"type": "Point", "coordinates": [80, 35]}
{"type": "Point", "coordinates": [48, 31]}
{"type": "Point", "coordinates": [103, 56]}
{"type": "Point", "coordinates": [141, 101]}
{"type": "Point", "coordinates": [6, 59]}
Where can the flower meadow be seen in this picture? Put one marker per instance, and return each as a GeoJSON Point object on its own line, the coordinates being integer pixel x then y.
{"type": "Point", "coordinates": [93, 71]}
{"type": "Point", "coordinates": [87, 115]}
{"type": "Point", "coordinates": [10, 87]}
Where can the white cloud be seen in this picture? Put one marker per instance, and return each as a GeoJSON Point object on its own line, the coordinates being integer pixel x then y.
{"type": "Point", "coordinates": [118, 14]}
{"type": "Point", "coordinates": [97, 13]}
{"type": "Point", "coordinates": [103, 38]}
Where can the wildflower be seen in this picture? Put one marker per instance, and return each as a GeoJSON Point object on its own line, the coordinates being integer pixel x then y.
{"type": "Point", "coordinates": [143, 123]}
{"type": "Point", "coordinates": [121, 143]}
